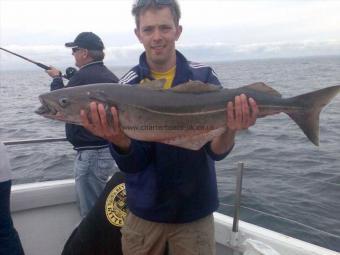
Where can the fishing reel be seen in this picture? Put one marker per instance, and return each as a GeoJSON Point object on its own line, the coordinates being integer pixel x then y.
{"type": "Point", "coordinates": [69, 72]}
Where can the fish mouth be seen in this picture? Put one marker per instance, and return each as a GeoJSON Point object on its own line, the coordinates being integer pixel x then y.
{"type": "Point", "coordinates": [49, 113]}
{"type": "Point", "coordinates": [42, 110]}
{"type": "Point", "coordinates": [46, 110]}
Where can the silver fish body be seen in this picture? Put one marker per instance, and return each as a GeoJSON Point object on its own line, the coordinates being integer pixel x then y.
{"type": "Point", "coordinates": [188, 115]}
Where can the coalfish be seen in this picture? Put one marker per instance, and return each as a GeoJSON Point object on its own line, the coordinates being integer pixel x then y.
{"type": "Point", "coordinates": [188, 115]}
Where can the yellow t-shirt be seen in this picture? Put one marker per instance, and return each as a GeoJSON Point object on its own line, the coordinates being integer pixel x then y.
{"type": "Point", "coordinates": [168, 76]}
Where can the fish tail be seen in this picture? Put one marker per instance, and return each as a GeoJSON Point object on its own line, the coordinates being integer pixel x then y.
{"type": "Point", "coordinates": [311, 104]}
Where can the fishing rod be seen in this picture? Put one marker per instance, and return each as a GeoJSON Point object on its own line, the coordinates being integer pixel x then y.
{"type": "Point", "coordinates": [70, 71]}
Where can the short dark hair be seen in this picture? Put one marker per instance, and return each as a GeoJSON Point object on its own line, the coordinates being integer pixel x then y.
{"type": "Point", "coordinates": [153, 4]}
{"type": "Point", "coordinates": [97, 55]}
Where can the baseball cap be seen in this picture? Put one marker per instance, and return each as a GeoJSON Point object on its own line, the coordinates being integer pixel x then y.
{"type": "Point", "coordinates": [87, 40]}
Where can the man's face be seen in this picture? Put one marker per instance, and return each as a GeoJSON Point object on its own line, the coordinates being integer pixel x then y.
{"type": "Point", "coordinates": [80, 56]}
{"type": "Point", "coordinates": [158, 33]}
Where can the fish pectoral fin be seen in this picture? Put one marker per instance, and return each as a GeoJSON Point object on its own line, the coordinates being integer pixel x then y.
{"type": "Point", "coordinates": [195, 87]}
{"type": "Point", "coordinates": [99, 97]}
{"type": "Point", "coordinates": [262, 87]}
{"type": "Point", "coordinates": [102, 98]}
{"type": "Point", "coordinates": [195, 142]}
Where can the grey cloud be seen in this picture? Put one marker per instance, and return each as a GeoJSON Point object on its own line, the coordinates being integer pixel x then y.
{"type": "Point", "coordinates": [128, 55]}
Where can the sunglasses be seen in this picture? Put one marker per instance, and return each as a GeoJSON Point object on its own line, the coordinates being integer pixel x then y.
{"type": "Point", "coordinates": [141, 3]}
{"type": "Point", "coordinates": [74, 50]}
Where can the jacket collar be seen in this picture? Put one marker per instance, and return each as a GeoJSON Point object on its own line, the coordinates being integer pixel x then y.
{"type": "Point", "coordinates": [92, 63]}
{"type": "Point", "coordinates": [183, 72]}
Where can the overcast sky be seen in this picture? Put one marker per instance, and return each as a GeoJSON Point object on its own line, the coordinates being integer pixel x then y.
{"type": "Point", "coordinates": [212, 30]}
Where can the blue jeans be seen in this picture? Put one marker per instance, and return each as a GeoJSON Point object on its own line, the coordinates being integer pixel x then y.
{"type": "Point", "coordinates": [92, 169]}
{"type": "Point", "coordinates": [9, 239]}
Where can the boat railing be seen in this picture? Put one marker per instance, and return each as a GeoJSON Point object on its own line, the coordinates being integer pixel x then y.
{"type": "Point", "coordinates": [237, 204]}
{"type": "Point", "coordinates": [285, 219]}
{"type": "Point", "coordinates": [29, 141]}
{"type": "Point", "coordinates": [238, 192]}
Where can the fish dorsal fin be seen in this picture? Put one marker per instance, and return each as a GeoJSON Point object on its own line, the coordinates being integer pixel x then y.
{"type": "Point", "coordinates": [260, 86]}
{"type": "Point", "coordinates": [194, 87]}
{"type": "Point", "coordinates": [153, 84]}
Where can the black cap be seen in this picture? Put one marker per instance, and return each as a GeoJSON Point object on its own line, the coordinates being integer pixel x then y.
{"type": "Point", "coordinates": [87, 40]}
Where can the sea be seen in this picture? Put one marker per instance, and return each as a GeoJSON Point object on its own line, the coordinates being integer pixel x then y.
{"type": "Point", "coordinates": [289, 185]}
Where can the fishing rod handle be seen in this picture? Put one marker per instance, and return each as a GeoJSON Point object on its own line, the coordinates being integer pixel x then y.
{"type": "Point", "coordinates": [42, 66]}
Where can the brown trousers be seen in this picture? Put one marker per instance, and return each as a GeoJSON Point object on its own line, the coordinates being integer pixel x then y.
{"type": "Point", "coordinates": [142, 237]}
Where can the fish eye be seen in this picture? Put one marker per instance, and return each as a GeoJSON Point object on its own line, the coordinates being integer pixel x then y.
{"type": "Point", "coordinates": [63, 102]}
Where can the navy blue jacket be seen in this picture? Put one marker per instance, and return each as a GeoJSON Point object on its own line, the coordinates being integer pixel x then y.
{"type": "Point", "coordinates": [95, 72]}
{"type": "Point", "coordinates": [166, 183]}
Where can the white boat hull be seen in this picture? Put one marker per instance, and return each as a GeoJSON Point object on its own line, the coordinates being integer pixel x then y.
{"type": "Point", "coordinates": [45, 214]}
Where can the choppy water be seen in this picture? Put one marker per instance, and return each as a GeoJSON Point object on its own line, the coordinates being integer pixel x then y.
{"type": "Point", "coordinates": [285, 174]}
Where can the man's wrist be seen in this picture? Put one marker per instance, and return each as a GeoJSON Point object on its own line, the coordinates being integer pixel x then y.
{"type": "Point", "coordinates": [57, 76]}
{"type": "Point", "coordinates": [224, 142]}
{"type": "Point", "coordinates": [123, 147]}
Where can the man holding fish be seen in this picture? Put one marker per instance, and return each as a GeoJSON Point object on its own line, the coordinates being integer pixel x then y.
{"type": "Point", "coordinates": [171, 191]}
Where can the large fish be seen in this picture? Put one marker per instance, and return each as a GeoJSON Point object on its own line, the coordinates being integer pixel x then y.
{"type": "Point", "coordinates": [188, 115]}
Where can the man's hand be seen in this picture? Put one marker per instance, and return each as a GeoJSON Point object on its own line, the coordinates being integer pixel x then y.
{"type": "Point", "coordinates": [53, 72]}
{"type": "Point", "coordinates": [240, 115]}
{"type": "Point", "coordinates": [99, 126]}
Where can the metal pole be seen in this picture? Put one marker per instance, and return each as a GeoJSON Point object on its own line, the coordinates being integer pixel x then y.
{"type": "Point", "coordinates": [44, 140]}
{"type": "Point", "coordinates": [240, 167]}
